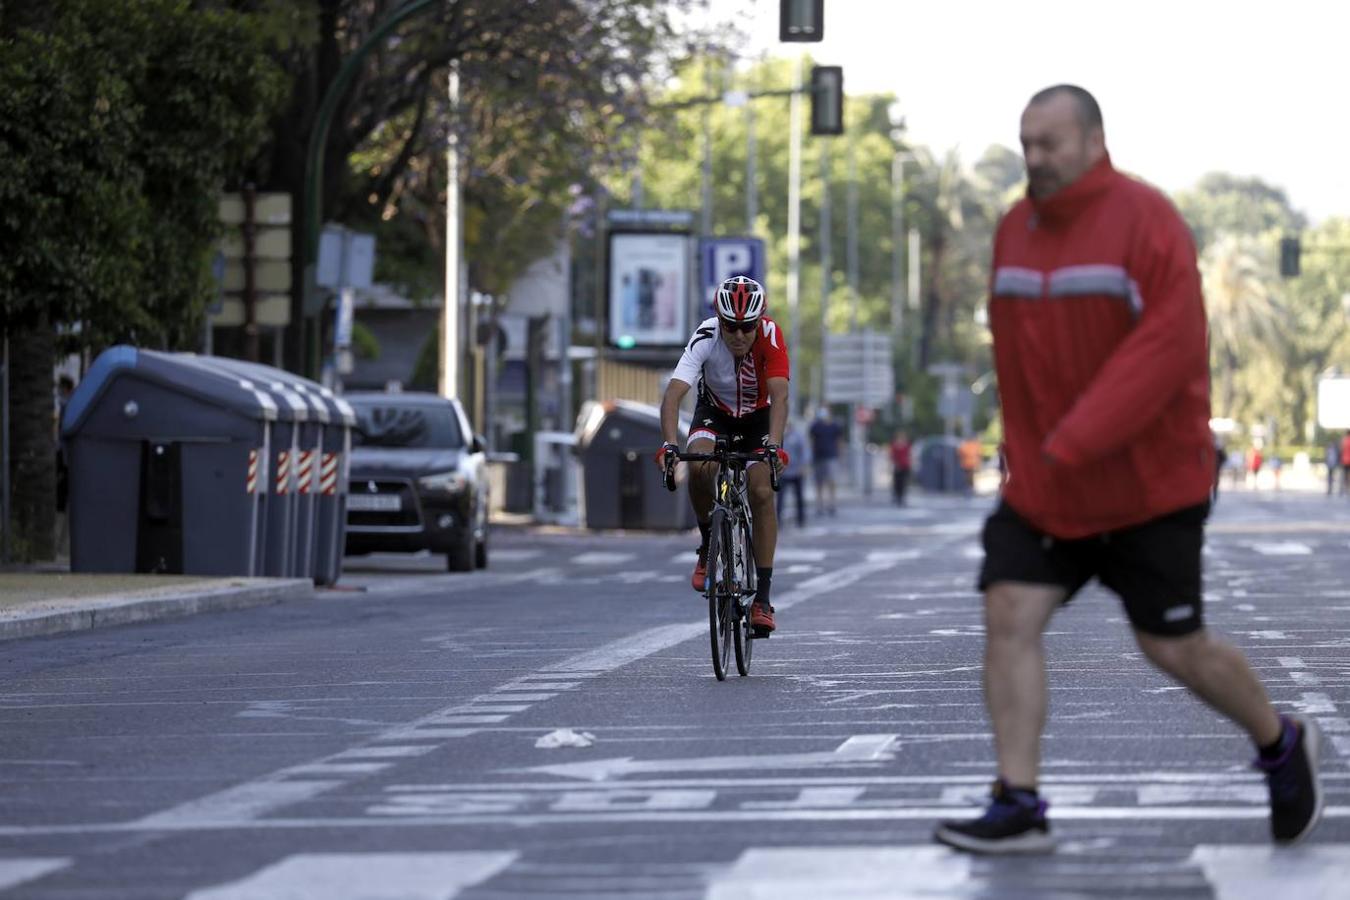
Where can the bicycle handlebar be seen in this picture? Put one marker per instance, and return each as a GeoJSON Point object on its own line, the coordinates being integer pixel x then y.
{"type": "Point", "coordinates": [762, 454]}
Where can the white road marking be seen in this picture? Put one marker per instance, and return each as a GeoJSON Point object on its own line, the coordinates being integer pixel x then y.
{"type": "Point", "coordinates": [254, 799]}
{"type": "Point", "coordinates": [602, 558]}
{"type": "Point", "coordinates": [630, 649]}
{"type": "Point", "coordinates": [391, 752]}
{"type": "Point", "coordinates": [514, 554]}
{"type": "Point", "coordinates": [17, 870]}
{"type": "Point", "coordinates": [1280, 548]}
{"type": "Point", "coordinates": [334, 769]}
{"type": "Point", "coordinates": [237, 804]}
{"type": "Point", "coordinates": [538, 686]}
{"type": "Point", "coordinates": [1258, 872]}
{"type": "Point", "coordinates": [812, 798]}
{"type": "Point", "coordinates": [892, 556]}
{"type": "Point", "coordinates": [858, 748]}
{"type": "Point", "coordinates": [493, 707]}
{"type": "Point", "coordinates": [861, 873]}
{"type": "Point", "coordinates": [364, 876]}
{"type": "Point", "coordinates": [1315, 704]}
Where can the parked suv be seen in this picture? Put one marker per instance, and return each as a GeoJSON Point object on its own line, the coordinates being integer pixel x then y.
{"type": "Point", "coordinates": [418, 479]}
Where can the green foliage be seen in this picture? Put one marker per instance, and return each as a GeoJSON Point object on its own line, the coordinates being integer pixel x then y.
{"type": "Point", "coordinates": [364, 343]}
{"type": "Point", "coordinates": [954, 210]}
{"type": "Point", "coordinates": [120, 123]}
{"type": "Point", "coordinates": [545, 89]}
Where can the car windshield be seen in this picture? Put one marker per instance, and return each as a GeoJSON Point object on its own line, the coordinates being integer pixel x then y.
{"type": "Point", "coordinates": [390, 425]}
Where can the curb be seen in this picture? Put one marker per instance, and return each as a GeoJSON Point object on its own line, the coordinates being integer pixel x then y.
{"type": "Point", "coordinates": [104, 612]}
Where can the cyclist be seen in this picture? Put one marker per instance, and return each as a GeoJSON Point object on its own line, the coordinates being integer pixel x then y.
{"type": "Point", "coordinates": [739, 361]}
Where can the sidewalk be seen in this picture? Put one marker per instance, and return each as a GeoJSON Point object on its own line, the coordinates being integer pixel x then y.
{"type": "Point", "coordinates": [50, 602]}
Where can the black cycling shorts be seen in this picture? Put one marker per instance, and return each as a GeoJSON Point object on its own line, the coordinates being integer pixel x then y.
{"type": "Point", "coordinates": [743, 433]}
{"type": "Point", "coordinates": [1154, 567]}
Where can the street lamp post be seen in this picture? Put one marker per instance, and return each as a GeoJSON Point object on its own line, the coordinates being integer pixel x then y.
{"type": "Point", "coordinates": [897, 244]}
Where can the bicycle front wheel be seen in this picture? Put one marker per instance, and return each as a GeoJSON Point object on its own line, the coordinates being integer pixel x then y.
{"type": "Point", "coordinates": [744, 637]}
{"type": "Point", "coordinates": [716, 588]}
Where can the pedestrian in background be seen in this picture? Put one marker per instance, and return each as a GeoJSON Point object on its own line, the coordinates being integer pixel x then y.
{"type": "Point", "coordinates": [1105, 402]}
{"type": "Point", "coordinates": [1345, 464]}
{"type": "Point", "coordinates": [792, 477]}
{"type": "Point", "coordinates": [972, 457]}
{"type": "Point", "coordinates": [825, 436]}
{"type": "Point", "coordinates": [901, 464]}
{"type": "Point", "coordinates": [1333, 461]}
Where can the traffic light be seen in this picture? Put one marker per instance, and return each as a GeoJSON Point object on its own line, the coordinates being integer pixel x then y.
{"type": "Point", "coordinates": [827, 100]}
{"type": "Point", "coordinates": [801, 20]}
{"type": "Point", "coordinates": [1290, 251]}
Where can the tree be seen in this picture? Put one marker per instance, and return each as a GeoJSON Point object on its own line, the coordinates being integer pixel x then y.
{"type": "Point", "coordinates": [120, 122]}
{"type": "Point", "coordinates": [545, 87]}
{"type": "Point", "coordinates": [1222, 204]}
{"type": "Point", "coordinates": [1245, 314]}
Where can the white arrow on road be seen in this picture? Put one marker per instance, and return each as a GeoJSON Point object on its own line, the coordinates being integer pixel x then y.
{"type": "Point", "coordinates": [858, 749]}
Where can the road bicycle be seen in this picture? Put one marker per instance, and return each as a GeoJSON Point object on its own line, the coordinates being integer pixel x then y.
{"type": "Point", "coordinates": [730, 584]}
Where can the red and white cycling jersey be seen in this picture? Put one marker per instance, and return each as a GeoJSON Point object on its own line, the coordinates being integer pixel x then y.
{"type": "Point", "coordinates": [737, 388]}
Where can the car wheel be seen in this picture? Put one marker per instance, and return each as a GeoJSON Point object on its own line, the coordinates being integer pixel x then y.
{"type": "Point", "coordinates": [480, 552]}
{"type": "Point", "coordinates": [461, 555]}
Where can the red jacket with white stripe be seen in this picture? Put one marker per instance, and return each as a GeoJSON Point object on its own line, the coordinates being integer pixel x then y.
{"type": "Point", "coordinates": [1101, 349]}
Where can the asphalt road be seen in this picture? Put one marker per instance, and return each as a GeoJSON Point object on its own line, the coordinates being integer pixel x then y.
{"type": "Point", "coordinates": [385, 743]}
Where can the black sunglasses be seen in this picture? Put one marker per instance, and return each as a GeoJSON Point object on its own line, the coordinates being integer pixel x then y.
{"type": "Point", "coordinates": [742, 327]}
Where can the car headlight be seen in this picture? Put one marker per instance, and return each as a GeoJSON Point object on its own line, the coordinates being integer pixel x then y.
{"type": "Point", "coordinates": [445, 482]}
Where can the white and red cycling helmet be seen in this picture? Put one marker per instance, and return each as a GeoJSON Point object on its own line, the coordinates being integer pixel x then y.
{"type": "Point", "coordinates": [740, 299]}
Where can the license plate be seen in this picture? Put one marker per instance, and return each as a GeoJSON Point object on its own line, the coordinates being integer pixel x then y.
{"type": "Point", "coordinates": [375, 502]}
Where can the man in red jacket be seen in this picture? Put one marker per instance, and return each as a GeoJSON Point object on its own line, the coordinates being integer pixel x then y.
{"type": "Point", "coordinates": [1100, 347]}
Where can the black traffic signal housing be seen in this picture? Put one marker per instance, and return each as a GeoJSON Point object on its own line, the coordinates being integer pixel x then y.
{"type": "Point", "coordinates": [827, 100]}
{"type": "Point", "coordinates": [1290, 251]}
{"type": "Point", "coordinates": [801, 21]}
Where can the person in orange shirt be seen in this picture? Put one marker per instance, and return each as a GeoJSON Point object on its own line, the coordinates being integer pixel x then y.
{"type": "Point", "coordinates": [971, 458]}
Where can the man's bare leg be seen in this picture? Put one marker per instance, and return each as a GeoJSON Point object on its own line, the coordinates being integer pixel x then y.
{"type": "Point", "coordinates": [1218, 674]}
{"type": "Point", "coordinates": [1015, 616]}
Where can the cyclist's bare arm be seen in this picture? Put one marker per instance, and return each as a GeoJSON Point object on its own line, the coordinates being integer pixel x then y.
{"type": "Point", "coordinates": [670, 410]}
{"type": "Point", "coordinates": [778, 409]}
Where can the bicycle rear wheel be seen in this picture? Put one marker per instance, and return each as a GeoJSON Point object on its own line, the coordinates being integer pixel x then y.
{"type": "Point", "coordinates": [719, 596]}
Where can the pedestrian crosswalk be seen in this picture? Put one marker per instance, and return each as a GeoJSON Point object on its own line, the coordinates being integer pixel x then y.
{"type": "Point", "coordinates": [363, 876]}
{"type": "Point", "coordinates": [783, 872]}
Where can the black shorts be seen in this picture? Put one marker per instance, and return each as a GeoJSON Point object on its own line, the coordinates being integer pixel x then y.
{"type": "Point", "coordinates": [743, 433]}
{"type": "Point", "coordinates": [1154, 567]}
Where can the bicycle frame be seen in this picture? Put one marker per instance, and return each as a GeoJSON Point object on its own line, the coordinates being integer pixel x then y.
{"type": "Point", "coordinates": [731, 569]}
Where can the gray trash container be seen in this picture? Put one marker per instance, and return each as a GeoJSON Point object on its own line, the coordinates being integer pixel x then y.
{"type": "Point", "coordinates": [168, 467]}
{"type": "Point", "coordinates": [937, 464]}
{"type": "Point", "coordinates": [620, 485]}
{"type": "Point", "coordinates": [294, 556]}
{"type": "Point", "coordinates": [317, 486]}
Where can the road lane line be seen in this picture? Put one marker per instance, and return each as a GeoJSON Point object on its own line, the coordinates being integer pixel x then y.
{"type": "Point", "coordinates": [620, 653]}
{"type": "Point", "coordinates": [365, 876]}
{"type": "Point", "coordinates": [20, 869]}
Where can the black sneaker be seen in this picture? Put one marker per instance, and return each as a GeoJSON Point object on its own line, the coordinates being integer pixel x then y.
{"type": "Point", "coordinates": [1295, 792]}
{"type": "Point", "coordinates": [1014, 823]}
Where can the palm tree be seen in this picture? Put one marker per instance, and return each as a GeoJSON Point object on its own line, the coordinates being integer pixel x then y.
{"type": "Point", "coordinates": [1244, 312]}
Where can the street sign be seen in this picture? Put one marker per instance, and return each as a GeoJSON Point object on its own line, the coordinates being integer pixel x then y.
{"type": "Point", "coordinates": [272, 310]}
{"type": "Point", "coordinates": [1333, 403]}
{"type": "Point", "coordinates": [270, 259]}
{"type": "Point", "coordinates": [723, 258]}
{"type": "Point", "coordinates": [858, 368]}
{"type": "Point", "coordinates": [346, 258]}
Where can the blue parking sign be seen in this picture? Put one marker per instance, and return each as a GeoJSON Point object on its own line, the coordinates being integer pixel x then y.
{"type": "Point", "coordinates": [723, 258]}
